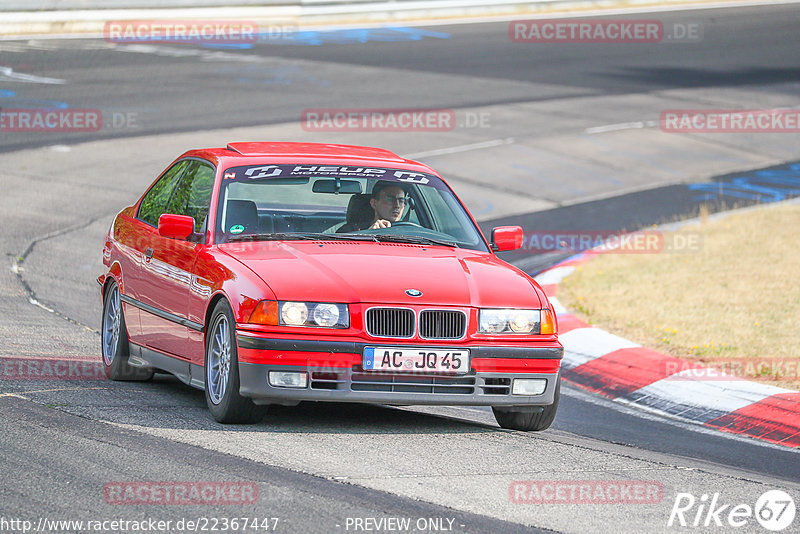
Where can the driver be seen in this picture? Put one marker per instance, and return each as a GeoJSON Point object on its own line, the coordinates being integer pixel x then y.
{"type": "Point", "coordinates": [388, 201]}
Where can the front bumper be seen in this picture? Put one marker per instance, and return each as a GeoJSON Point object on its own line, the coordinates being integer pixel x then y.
{"type": "Point", "coordinates": [335, 373]}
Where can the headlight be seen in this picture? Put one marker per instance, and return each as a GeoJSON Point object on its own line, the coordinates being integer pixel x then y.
{"type": "Point", "coordinates": [290, 313]}
{"type": "Point", "coordinates": [294, 313]}
{"type": "Point", "coordinates": [326, 314]}
{"type": "Point", "coordinates": [509, 321]}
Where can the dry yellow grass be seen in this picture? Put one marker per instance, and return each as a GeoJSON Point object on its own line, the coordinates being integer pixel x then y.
{"type": "Point", "coordinates": [733, 305]}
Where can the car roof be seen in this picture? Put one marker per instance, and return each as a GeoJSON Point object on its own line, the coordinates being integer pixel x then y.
{"type": "Point", "coordinates": [247, 153]}
{"type": "Point", "coordinates": [311, 149]}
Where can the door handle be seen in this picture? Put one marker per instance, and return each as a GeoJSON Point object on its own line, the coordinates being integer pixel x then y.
{"type": "Point", "coordinates": [148, 254]}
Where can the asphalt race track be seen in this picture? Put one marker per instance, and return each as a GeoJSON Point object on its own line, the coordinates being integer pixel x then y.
{"type": "Point", "coordinates": [554, 136]}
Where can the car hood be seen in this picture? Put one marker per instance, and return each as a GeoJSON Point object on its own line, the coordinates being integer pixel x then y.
{"type": "Point", "coordinates": [343, 271]}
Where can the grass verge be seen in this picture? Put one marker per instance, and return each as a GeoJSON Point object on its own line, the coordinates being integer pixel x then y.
{"type": "Point", "coordinates": [733, 304]}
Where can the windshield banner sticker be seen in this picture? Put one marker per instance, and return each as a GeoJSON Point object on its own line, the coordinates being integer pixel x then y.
{"type": "Point", "coordinates": [342, 171]}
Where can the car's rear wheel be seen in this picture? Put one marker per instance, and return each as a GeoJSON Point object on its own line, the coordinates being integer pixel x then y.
{"type": "Point", "coordinates": [222, 372]}
{"type": "Point", "coordinates": [528, 417]}
{"type": "Point", "coordinates": [114, 340]}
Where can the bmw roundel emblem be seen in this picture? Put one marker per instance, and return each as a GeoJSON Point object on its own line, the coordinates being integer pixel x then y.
{"type": "Point", "coordinates": [413, 292]}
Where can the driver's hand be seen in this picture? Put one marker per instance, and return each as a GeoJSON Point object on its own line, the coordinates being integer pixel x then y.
{"type": "Point", "coordinates": [380, 223]}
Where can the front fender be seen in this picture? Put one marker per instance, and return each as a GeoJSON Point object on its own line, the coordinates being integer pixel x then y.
{"type": "Point", "coordinates": [235, 282]}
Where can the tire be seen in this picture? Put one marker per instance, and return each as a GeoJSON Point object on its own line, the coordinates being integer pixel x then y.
{"type": "Point", "coordinates": [529, 417]}
{"type": "Point", "coordinates": [222, 372]}
{"type": "Point", "coordinates": [114, 341]}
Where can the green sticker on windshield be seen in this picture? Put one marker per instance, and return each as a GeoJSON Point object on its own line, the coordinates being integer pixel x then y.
{"type": "Point", "coordinates": [236, 229]}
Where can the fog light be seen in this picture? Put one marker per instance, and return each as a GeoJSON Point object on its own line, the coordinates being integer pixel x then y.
{"type": "Point", "coordinates": [529, 386]}
{"type": "Point", "coordinates": [282, 379]}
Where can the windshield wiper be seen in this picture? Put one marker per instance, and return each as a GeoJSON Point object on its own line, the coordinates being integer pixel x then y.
{"type": "Point", "coordinates": [414, 239]}
{"type": "Point", "coordinates": [313, 236]}
{"type": "Point", "coordinates": [300, 236]}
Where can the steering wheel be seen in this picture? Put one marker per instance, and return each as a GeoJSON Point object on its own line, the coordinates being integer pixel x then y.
{"type": "Point", "coordinates": [406, 223]}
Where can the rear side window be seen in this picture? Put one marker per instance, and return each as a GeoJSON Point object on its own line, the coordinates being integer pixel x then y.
{"type": "Point", "coordinates": [192, 197]}
{"type": "Point", "coordinates": [154, 203]}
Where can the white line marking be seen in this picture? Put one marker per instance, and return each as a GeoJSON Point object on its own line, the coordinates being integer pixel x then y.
{"type": "Point", "coordinates": [42, 306]}
{"type": "Point", "coordinates": [204, 55]}
{"type": "Point", "coordinates": [60, 148]}
{"type": "Point", "coordinates": [461, 148]}
{"type": "Point", "coordinates": [621, 126]}
{"type": "Point", "coordinates": [9, 74]}
{"type": "Point", "coordinates": [20, 396]}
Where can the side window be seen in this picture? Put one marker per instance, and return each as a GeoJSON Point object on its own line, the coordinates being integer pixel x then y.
{"type": "Point", "coordinates": [192, 197]}
{"type": "Point", "coordinates": [155, 201]}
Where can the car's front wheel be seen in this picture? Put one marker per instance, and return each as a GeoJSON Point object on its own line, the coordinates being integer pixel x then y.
{"type": "Point", "coordinates": [114, 340]}
{"type": "Point", "coordinates": [528, 417]}
{"type": "Point", "coordinates": [222, 372]}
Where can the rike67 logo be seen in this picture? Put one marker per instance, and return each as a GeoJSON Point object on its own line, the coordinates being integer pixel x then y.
{"type": "Point", "coordinates": [774, 510]}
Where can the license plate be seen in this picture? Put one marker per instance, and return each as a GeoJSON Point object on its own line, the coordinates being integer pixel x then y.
{"type": "Point", "coordinates": [417, 360]}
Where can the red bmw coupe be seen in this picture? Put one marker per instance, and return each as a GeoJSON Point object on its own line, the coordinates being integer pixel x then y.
{"type": "Point", "coordinates": [274, 273]}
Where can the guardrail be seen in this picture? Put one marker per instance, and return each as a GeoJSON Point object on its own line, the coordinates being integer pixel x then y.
{"type": "Point", "coordinates": [67, 5]}
{"type": "Point", "coordinates": [47, 20]}
{"type": "Point", "coordinates": [23, 18]}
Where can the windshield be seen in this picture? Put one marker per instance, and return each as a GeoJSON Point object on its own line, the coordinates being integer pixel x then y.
{"type": "Point", "coordinates": [347, 203]}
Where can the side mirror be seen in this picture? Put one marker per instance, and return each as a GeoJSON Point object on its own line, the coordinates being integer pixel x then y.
{"type": "Point", "coordinates": [175, 226]}
{"type": "Point", "coordinates": [506, 238]}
